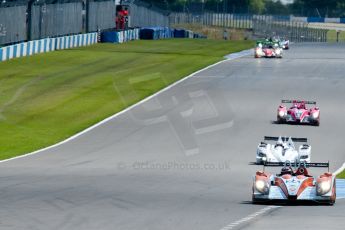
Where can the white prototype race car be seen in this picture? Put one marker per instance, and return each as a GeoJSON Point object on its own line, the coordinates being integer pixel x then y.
{"type": "Point", "coordinates": [284, 43]}
{"type": "Point", "coordinates": [283, 150]}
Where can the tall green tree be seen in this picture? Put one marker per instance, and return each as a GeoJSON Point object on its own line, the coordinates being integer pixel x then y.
{"type": "Point", "coordinates": [276, 8]}
{"type": "Point", "coordinates": [313, 8]}
{"type": "Point", "coordinates": [257, 6]}
{"type": "Point", "coordinates": [340, 10]}
{"type": "Point", "coordinates": [316, 8]}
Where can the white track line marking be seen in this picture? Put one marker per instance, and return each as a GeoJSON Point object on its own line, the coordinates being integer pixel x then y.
{"type": "Point", "coordinates": [249, 217]}
{"type": "Point", "coordinates": [239, 54]}
{"type": "Point", "coordinates": [229, 57]}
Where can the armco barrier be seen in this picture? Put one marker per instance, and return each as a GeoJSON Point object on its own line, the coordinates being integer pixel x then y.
{"type": "Point", "coordinates": [27, 48]}
{"type": "Point", "coordinates": [46, 45]}
{"type": "Point", "coordinates": [298, 19]}
{"type": "Point", "coordinates": [67, 42]}
{"type": "Point", "coordinates": [315, 19]}
{"type": "Point", "coordinates": [120, 36]}
{"type": "Point", "coordinates": [281, 18]}
{"type": "Point", "coordinates": [332, 20]}
{"type": "Point", "coordinates": [244, 21]}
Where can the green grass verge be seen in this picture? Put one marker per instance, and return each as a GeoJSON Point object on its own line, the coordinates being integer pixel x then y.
{"type": "Point", "coordinates": [341, 175]}
{"type": "Point", "coordinates": [49, 97]}
{"type": "Point", "coordinates": [332, 36]}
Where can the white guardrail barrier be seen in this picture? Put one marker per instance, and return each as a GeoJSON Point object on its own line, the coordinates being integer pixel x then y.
{"type": "Point", "coordinates": [46, 45]}
{"type": "Point", "coordinates": [327, 26]}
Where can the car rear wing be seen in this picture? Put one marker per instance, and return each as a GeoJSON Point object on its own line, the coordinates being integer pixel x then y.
{"type": "Point", "coordinates": [299, 101]}
{"type": "Point", "coordinates": [297, 164]}
{"type": "Point", "coordinates": [294, 139]}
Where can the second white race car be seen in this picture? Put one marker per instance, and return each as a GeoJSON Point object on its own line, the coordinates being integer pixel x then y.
{"type": "Point", "coordinates": [283, 150]}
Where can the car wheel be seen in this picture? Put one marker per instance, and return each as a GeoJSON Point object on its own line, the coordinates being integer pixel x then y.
{"type": "Point", "coordinates": [254, 201]}
{"type": "Point", "coordinates": [334, 196]}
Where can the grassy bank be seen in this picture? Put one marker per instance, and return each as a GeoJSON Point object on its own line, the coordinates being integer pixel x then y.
{"type": "Point", "coordinates": [341, 175]}
{"type": "Point", "coordinates": [47, 98]}
{"type": "Point", "coordinates": [332, 36]}
{"type": "Point", "coordinates": [217, 32]}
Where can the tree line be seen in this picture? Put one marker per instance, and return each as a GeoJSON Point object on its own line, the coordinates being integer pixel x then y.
{"type": "Point", "coordinates": [307, 8]}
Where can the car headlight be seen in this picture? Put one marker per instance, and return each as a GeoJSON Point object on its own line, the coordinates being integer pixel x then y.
{"type": "Point", "coordinates": [261, 186]}
{"type": "Point", "coordinates": [323, 187]}
{"type": "Point", "coordinates": [281, 113]}
{"type": "Point", "coordinates": [315, 115]}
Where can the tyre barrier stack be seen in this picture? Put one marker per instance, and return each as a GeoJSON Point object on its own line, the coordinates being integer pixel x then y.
{"type": "Point", "coordinates": [154, 33]}
{"type": "Point", "coordinates": [147, 33]}
{"type": "Point", "coordinates": [165, 32]}
{"type": "Point", "coordinates": [182, 33]}
{"type": "Point", "coordinates": [46, 45]}
{"type": "Point", "coordinates": [120, 36]}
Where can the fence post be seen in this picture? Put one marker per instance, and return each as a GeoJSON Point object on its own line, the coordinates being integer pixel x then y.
{"type": "Point", "coordinates": [87, 5]}
{"type": "Point", "coordinates": [29, 19]}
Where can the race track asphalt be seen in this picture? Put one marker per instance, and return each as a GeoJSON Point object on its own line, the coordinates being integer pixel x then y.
{"type": "Point", "coordinates": [182, 159]}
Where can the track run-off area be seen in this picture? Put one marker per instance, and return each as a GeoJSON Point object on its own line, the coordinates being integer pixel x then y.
{"type": "Point", "coordinates": [182, 159]}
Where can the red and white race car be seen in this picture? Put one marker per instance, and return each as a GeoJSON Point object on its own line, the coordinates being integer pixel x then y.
{"type": "Point", "coordinates": [293, 185]}
{"type": "Point", "coordinates": [298, 113]}
{"type": "Point", "coordinates": [268, 50]}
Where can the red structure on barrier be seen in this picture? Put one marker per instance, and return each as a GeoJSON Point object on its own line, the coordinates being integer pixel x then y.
{"type": "Point", "coordinates": [122, 16]}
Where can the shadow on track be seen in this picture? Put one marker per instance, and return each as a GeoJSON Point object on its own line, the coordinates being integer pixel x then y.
{"type": "Point", "coordinates": [291, 123]}
{"type": "Point", "coordinates": [285, 203]}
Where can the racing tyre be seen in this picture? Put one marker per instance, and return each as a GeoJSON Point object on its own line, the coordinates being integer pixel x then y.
{"type": "Point", "coordinates": [334, 196]}
{"type": "Point", "coordinates": [279, 121]}
{"type": "Point", "coordinates": [254, 201]}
